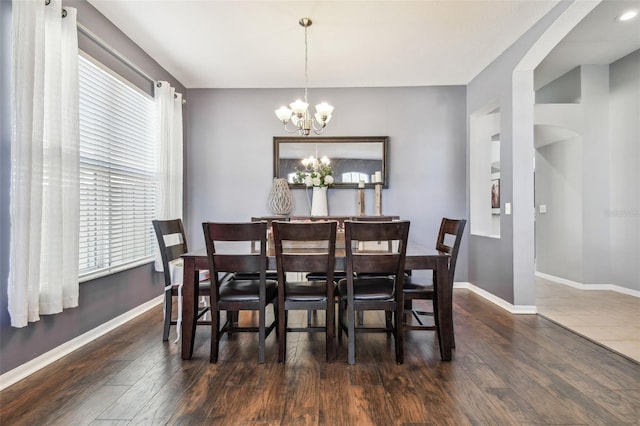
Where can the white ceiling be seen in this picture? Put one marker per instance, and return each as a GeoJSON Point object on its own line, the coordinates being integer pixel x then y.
{"type": "Point", "coordinates": [597, 39]}
{"type": "Point", "coordinates": [259, 44]}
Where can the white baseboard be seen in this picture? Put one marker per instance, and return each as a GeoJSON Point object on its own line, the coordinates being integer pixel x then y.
{"type": "Point", "coordinates": [581, 286]}
{"type": "Point", "coordinates": [13, 376]}
{"type": "Point", "coordinates": [514, 309]}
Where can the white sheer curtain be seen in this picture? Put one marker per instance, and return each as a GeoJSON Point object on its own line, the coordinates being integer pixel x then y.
{"type": "Point", "coordinates": [43, 263]}
{"type": "Point", "coordinates": [169, 124]}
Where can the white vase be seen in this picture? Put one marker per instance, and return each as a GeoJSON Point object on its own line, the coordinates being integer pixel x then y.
{"type": "Point", "coordinates": [319, 201]}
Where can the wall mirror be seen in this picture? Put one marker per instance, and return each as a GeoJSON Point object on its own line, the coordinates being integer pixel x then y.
{"type": "Point", "coordinates": [352, 158]}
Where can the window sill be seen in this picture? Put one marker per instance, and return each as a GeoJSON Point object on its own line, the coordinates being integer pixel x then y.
{"type": "Point", "coordinates": [104, 272]}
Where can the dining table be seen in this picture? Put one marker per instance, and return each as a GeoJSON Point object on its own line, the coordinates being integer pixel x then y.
{"type": "Point", "coordinates": [417, 258]}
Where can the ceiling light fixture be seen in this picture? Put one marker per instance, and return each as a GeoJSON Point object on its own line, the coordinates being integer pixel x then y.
{"type": "Point", "coordinates": [628, 15]}
{"type": "Point", "coordinates": [299, 113]}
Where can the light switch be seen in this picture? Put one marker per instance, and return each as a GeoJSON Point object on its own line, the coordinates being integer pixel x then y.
{"type": "Point", "coordinates": [507, 208]}
{"type": "Point", "coordinates": [543, 208]}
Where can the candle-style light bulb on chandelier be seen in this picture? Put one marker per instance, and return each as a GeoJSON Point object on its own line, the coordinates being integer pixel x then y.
{"type": "Point", "coordinates": [299, 113]}
{"type": "Point", "coordinates": [312, 164]}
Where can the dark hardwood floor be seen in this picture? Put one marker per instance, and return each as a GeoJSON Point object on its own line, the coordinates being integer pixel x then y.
{"type": "Point", "coordinates": [507, 370]}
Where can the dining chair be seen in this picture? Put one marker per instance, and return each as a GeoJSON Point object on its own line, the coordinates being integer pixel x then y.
{"type": "Point", "coordinates": [381, 291]}
{"type": "Point", "coordinates": [448, 241]}
{"type": "Point", "coordinates": [229, 251]}
{"type": "Point", "coordinates": [302, 247]}
{"type": "Point", "coordinates": [319, 275]}
{"type": "Point", "coordinates": [271, 274]}
{"type": "Point", "coordinates": [173, 244]}
{"type": "Point", "coordinates": [389, 245]}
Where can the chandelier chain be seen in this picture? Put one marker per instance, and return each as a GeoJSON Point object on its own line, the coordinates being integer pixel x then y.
{"type": "Point", "coordinates": [303, 121]}
{"type": "Point", "coordinates": [306, 66]}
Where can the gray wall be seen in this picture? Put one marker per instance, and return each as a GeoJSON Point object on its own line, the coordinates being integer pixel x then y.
{"type": "Point", "coordinates": [103, 299]}
{"type": "Point", "coordinates": [559, 231]}
{"type": "Point", "coordinates": [5, 165]}
{"type": "Point", "coordinates": [491, 260]}
{"type": "Point", "coordinates": [230, 154]}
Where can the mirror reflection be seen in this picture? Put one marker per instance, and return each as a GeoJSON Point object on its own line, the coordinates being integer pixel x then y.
{"type": "Point", "coordinates": [352, 159]}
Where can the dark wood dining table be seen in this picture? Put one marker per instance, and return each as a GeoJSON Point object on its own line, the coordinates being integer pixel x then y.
{"type": "Point", "coordinates": [418, 258]}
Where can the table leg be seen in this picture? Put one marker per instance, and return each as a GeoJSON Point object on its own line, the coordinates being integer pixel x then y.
{"type": "Point", "coordinates": [444, 295]}
{"type": "Point", "coordinates": [189, 307]}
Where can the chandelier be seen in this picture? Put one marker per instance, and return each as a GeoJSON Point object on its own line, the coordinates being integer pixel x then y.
{"type": "Point", "coordinates": [299, 114]}
{"type": "Point", "coordinates": [311, 163]}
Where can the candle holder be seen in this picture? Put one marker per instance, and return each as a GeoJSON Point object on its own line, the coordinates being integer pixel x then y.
{"type": "Point", "coordinates": [378, 203]}
{"type": "Point", "coordinates": [361, 205]}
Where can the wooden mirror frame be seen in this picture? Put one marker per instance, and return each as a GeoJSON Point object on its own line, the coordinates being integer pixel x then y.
{"type": "Point", "coordinates": [331, 145]}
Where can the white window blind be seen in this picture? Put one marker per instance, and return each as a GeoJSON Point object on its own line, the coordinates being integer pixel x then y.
{"type": "Point", "coordinates": [117, 172]}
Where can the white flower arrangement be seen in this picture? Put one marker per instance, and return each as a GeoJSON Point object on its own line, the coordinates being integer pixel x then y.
{"type": "Point", "coordinates": [316, 173]}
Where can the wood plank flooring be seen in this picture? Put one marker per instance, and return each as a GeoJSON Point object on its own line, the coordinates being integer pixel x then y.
{"type": "Point", "coordinates": [506, 370]}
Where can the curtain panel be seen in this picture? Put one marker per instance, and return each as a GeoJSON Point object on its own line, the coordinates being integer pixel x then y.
{"type": "Point", "coordinates": [44, 193]}
{"type": "Point", "coordinates": [170, 155]}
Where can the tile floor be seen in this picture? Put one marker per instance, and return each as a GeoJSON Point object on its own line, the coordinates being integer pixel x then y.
{"type": "Point", "coordinates": [608, 318]}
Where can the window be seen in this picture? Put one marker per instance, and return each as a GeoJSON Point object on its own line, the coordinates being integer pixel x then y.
{"type": "Point", "coordinates": [117, 172]}
{"type": "Point", "coordinates": [355, 177]}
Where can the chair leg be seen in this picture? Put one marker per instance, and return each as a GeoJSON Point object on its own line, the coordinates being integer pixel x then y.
{"type": "Point", "coordinates": [309, 312]}
{"type": "Point", "coordinates": [388, 323]}
{"type": "Point", "coordinates": [408, 307]}
{"type": "Point", "coordinates": [261, 334]}
{"type": "Point", "coordinates": [232, 320]}
{"type": "Point", "coordinates": [330, 329]}
{"type": "Point", "coordinates": [168, 298]}
{"type": "Point", "coordinates": [276, 316]}
{"type": "Point", "coordinates": [399, 336]}
{"type": "Point", "coordinates": [360, 318]}
{"type": "Point", "coordinates": [351, 334]}
{"type": "Point", "coordinates": [282, 334]}
{"type": "Point", "coordinates": [215, 336]}
{"type": "Point", "coordinates": [341, 308]}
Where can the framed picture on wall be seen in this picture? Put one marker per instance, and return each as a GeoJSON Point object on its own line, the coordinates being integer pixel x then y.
{"type": "Point", "coordinates": [495, 194]}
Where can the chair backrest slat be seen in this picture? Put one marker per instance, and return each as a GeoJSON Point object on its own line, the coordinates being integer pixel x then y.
{"type": "Point", "coordinates": [378, 263]}
{"type": "Point", "coordinates": [175, 251]}
{"type": "Point", "coordinates": [163, 229]}
{"type": "Point", "coordinates": [304, 262]}
{"type": "Point", "coordinates": [453, 228]}
{"type": "Point", "coordinates": [237, 263]}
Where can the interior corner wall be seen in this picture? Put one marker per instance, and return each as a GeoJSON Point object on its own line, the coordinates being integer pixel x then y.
{"type": "Point", "coordinates": [563, 90]}
{"type": "Point", "coordinates": [103, 299]}
{"type": "Point", "coordinates": [491, 261]}
{"type": "Point", "coordinates": [595, 155]}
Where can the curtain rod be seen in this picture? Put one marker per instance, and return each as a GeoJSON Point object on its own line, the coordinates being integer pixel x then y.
{"type": "Point", "coordinates": [100, 42]}
{"type": "Point", "coordinates": [86, 31]}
